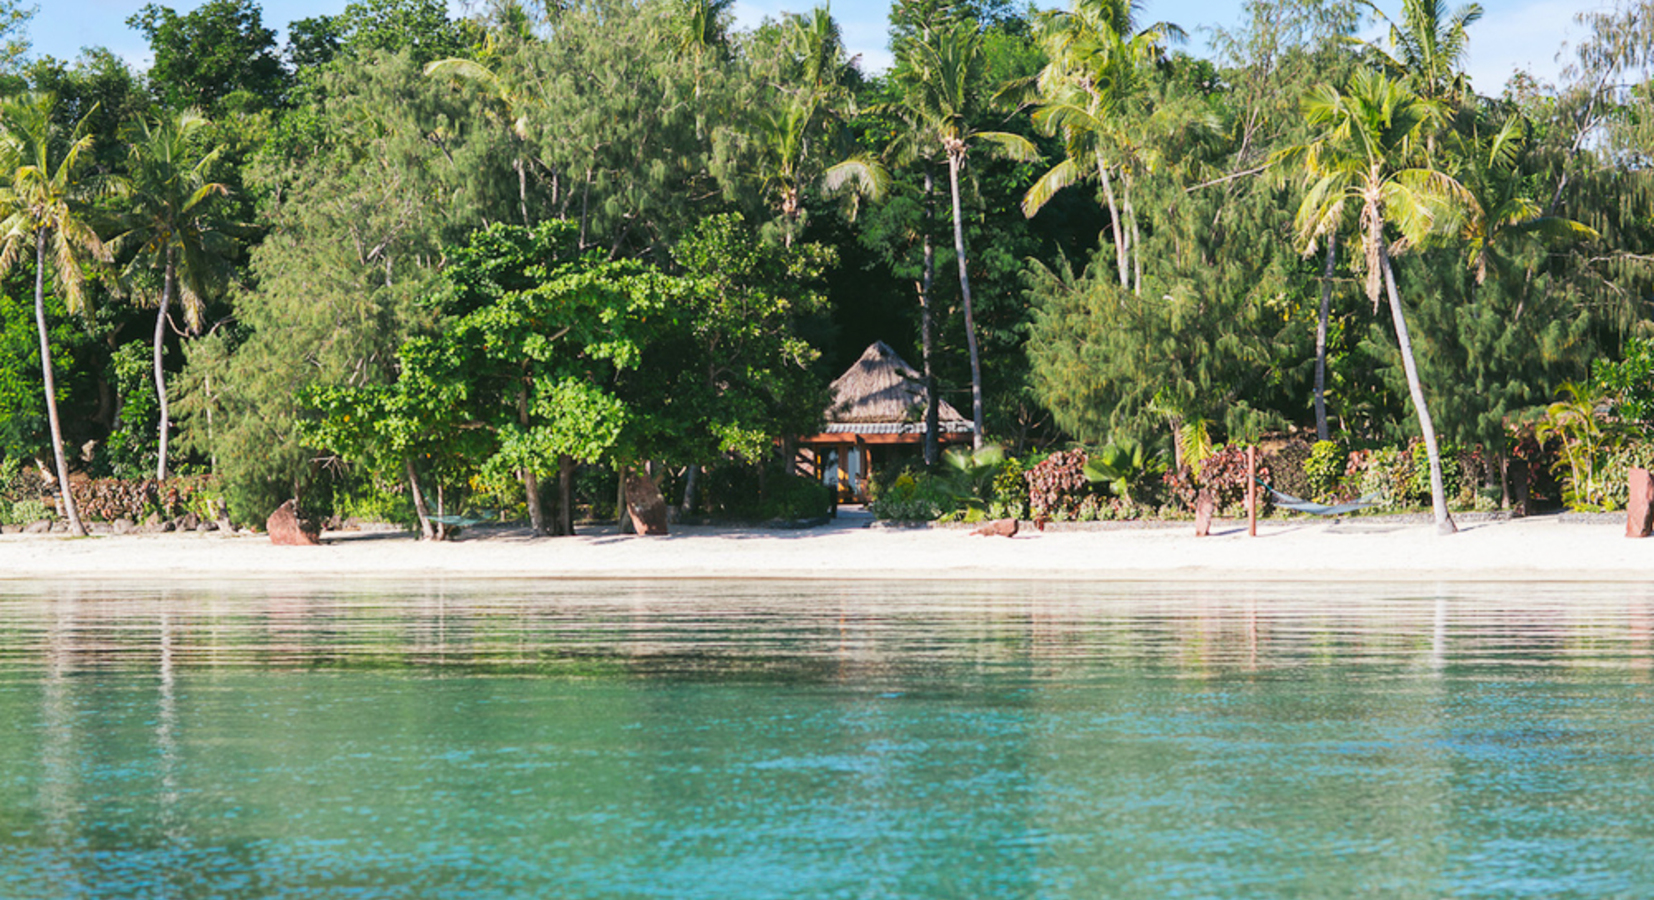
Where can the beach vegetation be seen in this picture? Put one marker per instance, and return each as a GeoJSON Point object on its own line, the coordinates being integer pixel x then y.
{"type": "Point", "coordinates": [426, 266]}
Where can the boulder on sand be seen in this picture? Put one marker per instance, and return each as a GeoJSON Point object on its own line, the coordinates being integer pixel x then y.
{"type": "Point", "coordinates": [645, 504]}
{"type": "Point", "coordinates": [288, 530]}
{"type": "Point", "coordinates": [998, 528]}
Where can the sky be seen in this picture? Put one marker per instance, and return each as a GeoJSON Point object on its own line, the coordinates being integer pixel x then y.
{"type": "Point", "coordinates": [1512, 34]}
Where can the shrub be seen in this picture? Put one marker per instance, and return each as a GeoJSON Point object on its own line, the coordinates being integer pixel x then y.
{"type": "Point", "coordinates": [795, 497]}
{"type": "Point", "coordinates": [1010, 492]}
{"type": "Point", "coordinates": [1616, 471]}
{"type": "Point", "coordinates": [108, 499]}
{"type": "Point", "coordinates": [1225, 474]}
{"type": "Point", "coordinates": [912, 497]}
{"type": "Point", "coordinates": [1384, 474]}
{"type": "Point", "coordinates": [22, 512]}
{"type": "Point", "coordinates": [1324, 470]}
{"type": "Point", "coordinates": [1057, 486]}
{"type": "Point", "coordinates": [1285, 460]}
{"type": "Point", "coordinates": [1452, 473]}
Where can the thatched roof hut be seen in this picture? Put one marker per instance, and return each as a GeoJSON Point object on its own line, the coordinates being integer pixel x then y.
{"type": "Point", "coordinates": [878, 400]}
{"type": "Point", "coordinates": [880, 394]}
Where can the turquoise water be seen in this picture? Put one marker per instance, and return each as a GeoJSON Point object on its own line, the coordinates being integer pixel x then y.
{"type": "Point", "coordinates": [775, 739]}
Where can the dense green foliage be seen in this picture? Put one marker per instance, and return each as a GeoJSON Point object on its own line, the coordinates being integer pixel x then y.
{"type": "Point", "coordinates": [496, 259]}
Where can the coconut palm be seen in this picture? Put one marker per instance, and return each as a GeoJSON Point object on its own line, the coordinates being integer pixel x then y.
{"type": "Point", "coordinates": [1500, 212]}
{"type": "Point", "coordinates": [1428, 47]}
{"type": "Point", "coordinates": [1097, 73]}
{"type": "Point", "coordinates": [946, 96]}
{"type": "Point", "coordinates": [41, 203]}
{"type": "Point", "coordinates": [171, 230]}
{"type": "Point", "coordinates": [793, 135]}
{"type": "Point", "coordinates": [1366, 155]}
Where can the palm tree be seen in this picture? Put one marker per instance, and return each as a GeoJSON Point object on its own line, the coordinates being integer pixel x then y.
{"type": "Point", "coordinates": [1429, 47]}
{"type": "Point", "coordinates": [170, 228]}
{"type": "Point", "coordinates": [801, 127]}
{"type": "Point", "coordinates": [913, 144]}
{"type": "Point", "coordinates": [40, 208]}
{"type": "Point", "coordinates": [1365, 155]}
{"type": "Point", "coordinates": [1098, 63]}
{"type": "Point", "coordinates": [946, 97]}
{"type": "Point", "coordinates": [1500, 211]}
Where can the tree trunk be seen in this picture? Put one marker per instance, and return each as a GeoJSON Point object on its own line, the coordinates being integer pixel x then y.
{"type": "Point", "coordinates": [585, 208]}
{"type": "Point", "coordinates": [1438, 494]}
{"type": "Point", "coordinates": [1136, 253]}
{"type": "Point", "coordinates": [691, 482]}
{"type": "Point", "coordinates": [965, 293]}
{"type": "Point", "coordinates": [531, 482]}
{"type": "Point", "coordinates": [623, 518]}
{"type": "Point", "coordinates": [927, 327]}
{"type": "Point", "coordinates": [1120, 258]}
{"type": "Point", "coordinates": [167, 275]}
{"type": "Point", "coordinates": [68, 497]}
{"type": "Point", "coordinates": [427, 529]}
{"type": "Point", "coordinates": [565, 495]}
{"type": "Point", "coordinates": [1321, 338]}
{"type": "Point", "coordinates": [522, 188]}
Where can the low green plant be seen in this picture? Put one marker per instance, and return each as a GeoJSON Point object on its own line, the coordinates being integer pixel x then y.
{"type": "Point", "coordinates": [913, 496]}
{"type": "Point", "coordinates": [1010, 492]}
{"type": "Point", "coordinates": [1324, 469]}
{"type": "Point", "coordinates": [1384, 474]}
{"type": "Point", "coordinates": [1586, 437]}
{"type": "Point", "coordinates": [22, 512]}
{"type": "Point", "coordinates": [1452, 471]}
{"type": "Point", "coordinates": [970, 475]}
{"type": "Point", "coordinates": [1124, 466]}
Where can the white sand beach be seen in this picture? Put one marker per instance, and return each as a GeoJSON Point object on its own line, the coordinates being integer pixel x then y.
{"type": "Point", "coordinates": [1363, 549]}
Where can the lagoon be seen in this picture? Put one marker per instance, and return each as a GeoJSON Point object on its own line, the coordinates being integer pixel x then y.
{"type": "Point", "coordinates": [757, 739]}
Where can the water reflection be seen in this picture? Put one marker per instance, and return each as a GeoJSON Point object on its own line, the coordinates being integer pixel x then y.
{"type": "Point", "coordinates": [782, 739]}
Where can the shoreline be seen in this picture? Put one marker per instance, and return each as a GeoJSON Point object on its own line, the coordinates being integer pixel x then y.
{"type": "Point", "coordinates": [1539, 549]}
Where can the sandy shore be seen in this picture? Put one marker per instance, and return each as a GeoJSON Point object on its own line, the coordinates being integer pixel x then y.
{"type": "Point", "coordinates": [1537, 549]}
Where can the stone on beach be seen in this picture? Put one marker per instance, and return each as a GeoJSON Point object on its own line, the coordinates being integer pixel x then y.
{"type": "Point", "coordinates": [644, 504]}
{"type": "Point", "coordinates": [288, 530]}
{"type": "Point", "coordinates": [1639, 505]}
{"type": "Point", "coordinates": [998, 528]}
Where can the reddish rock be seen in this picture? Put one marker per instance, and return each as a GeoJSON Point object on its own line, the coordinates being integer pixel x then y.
{"type": "Point", "coordinates": [1205, 508]}
{"type": "Point", "coordinates": [998, 528]}
{"type": "Point", "coordinates": [288, 530]}
{"type": "Point", "coordinates": [1639, 504]}
{"type": "Point", "coordinates": [645, 504]}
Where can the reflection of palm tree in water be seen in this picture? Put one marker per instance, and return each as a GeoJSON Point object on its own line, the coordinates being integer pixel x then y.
{"type": "Point", "coordinates": [57, 754]}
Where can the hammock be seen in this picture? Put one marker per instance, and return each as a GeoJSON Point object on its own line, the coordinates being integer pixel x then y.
{"type": "Point", "coordinates": [1297, 504]}
{"type": "Point", "coordinates": [465, 521]}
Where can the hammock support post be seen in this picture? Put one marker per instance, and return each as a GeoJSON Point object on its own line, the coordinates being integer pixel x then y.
{"type": "Point", "coordinates": [1252, 491]}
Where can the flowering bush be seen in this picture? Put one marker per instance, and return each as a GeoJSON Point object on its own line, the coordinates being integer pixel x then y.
{"type": "Point", "coordinates": [1225, 474]}
{"type": "Point", "coordinates": [108, 499]}
{"type": "Point", "coordinates": [1057, 486]}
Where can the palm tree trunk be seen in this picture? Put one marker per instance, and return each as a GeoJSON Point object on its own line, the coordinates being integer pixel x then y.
{"type": "Point", "coordinates": [522, 188]}
{"type": "Point", "coordinates": [1438, 494]}
{"type": "Point", "coordinates": [1120, 258]}
{"type": "Point", "coordinates": [1135, 253]}
{"type": "Point", "coordinates": [965, 293]}
{"type": "Point", "coordinates": [67, 496]}
{"type": "Point", "coordinates": [1321, 338]}
{"type": "Point", "coordinates": [927, 326]}
{"type": "Point", "coordinates": [167, 275]}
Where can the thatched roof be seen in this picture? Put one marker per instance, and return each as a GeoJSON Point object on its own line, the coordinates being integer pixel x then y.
{"type": "Point", "coordinates": [881, 393]}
